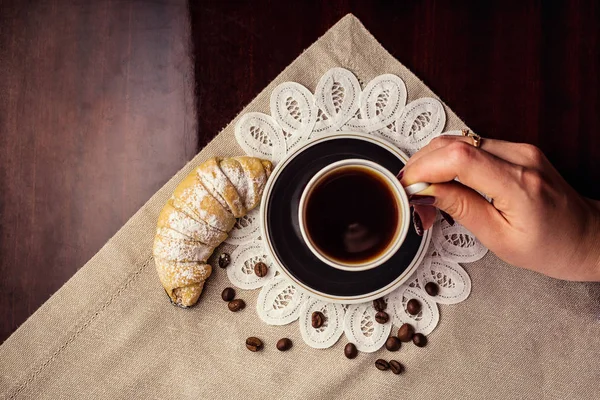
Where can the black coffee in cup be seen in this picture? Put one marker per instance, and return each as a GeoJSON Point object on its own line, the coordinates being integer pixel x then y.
{"type": "Point", "coordinates": [352, 215]}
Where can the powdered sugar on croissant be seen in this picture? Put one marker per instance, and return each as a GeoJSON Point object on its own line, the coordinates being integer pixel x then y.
{"type": "Point", "coordinates": [197, 218]}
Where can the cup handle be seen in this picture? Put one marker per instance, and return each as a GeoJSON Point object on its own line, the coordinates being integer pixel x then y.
{"type": "Point", "coordinates": [416, 188]}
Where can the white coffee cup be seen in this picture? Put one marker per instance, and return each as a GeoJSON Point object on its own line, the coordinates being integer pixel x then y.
{"type": "Point", "coordinates": [400, 194]}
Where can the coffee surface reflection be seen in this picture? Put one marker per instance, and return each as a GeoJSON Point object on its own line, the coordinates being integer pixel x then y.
{"type": "Point", "coordinates": [352, 215]}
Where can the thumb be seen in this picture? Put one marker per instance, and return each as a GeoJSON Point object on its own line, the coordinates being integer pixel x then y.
{"type": "Point", "coordinates": [465, 206]}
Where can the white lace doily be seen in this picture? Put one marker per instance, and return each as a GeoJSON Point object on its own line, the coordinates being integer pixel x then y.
{"type": "Point", "coordinates": [340, 104]}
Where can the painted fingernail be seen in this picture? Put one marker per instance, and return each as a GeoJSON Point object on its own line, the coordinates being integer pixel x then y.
{"type": "Point", "coordinates": [419, 200]}
{"type": "Point", "coordinates": [400, 174]}
{"type": "Point", "coordinates": [447, 217]}
{"type": "Point", "coordinates": [418, 224]}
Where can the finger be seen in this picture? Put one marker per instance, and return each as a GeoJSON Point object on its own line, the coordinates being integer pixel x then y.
{"type": "Point", "coordinates": [523, 154]}
{"type": "Point", "coordinates": [426, 215]}
{"type": "Point", "coordinates": [467, 207]}
{"type": "Point", "coordinates": [477, 169]}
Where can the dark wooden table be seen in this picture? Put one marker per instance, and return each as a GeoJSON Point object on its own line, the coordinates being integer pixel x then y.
{"type": "Point", "coordinates": [97, 106]}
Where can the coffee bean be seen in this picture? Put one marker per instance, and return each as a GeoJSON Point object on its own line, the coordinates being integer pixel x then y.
{"type": "Point", "coordinates": [236, 305]}
{"type": "Point", "coordinates": [379, 304]}
{"type": "Point", "coordinates": [350, 351]}
{"type": "Point", "coordinates": [392, 343]}
{"type": "Point", "coordinates": [382, 317]}
{"type": "Point", "coordinates": [432, 289]}
{"type": "Point", "coordinates": [382, 365]}
{"type": "Point", "coordinates": [317, 319]}
{"type": "Point", "coordinates": [396, 367]}
{"type": "Point", "coordinates": [413, 306]}
{"type": "Point", "coordinates": [261, 269]}
{"type": "Point", "coordinates": [254, 344]}
{"type": "Point", "coordinates": [406, 332]}
{"type": "Point", "coordinates": [420, 340]}
{"type": "Point", "coordinates": [224, 260]}
{"type": "Point", "coordinates": [284, 344]}
{"type": "Point", "coordinates": [228, 294]}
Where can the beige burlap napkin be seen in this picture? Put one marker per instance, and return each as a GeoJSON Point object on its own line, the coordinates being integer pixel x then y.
{"type": "Point", "coordinates": [110, 332]}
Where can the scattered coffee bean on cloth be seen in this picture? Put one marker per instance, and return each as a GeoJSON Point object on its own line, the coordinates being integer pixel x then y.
{"type": "Point", "coordinates": [406, 332]}
{"type": "Point", "coordinates": [420, 340]}
{"type": "Point", "coordinates": [254, 344]}
{"type": "Point", "coordinates": [350, 351]}
{"type": "Point", "coordinates": [396, 367]}
{"type": "Point", "coordinates": [224, 260]}
{"type": "Point", "coordinates": [379, 304]}
{"type": "Point", "coordinates": [382, 317]}
{"type": "Point", "coordinates": [413, 306]}
{"type": "Point", "coordinates": [284, 344]}
{"type": "Point", "coordinates": [432, 289]}
{"type": "Point", "coordinates": [228, 294]}
{"type": "Point", "coordinates": [260, 269]}
{"type": "Point", "coordinates": [236, 305]}
{"type": "Point", "coordinates": [382, 365]}
{"type": "Point", "coordinates": [317, 319]}
{"type": "Point", "coordinates": [392, 343]}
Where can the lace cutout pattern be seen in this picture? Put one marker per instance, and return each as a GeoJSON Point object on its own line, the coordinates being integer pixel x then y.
{"type": "Point", "coordinates": [260, 136]}
{"type": "Point", "coordinates": [455, 242]}
{"type": "Point", "coordinates": [279, 302]}
{"type": "Point", "coordinates": [246, 228]}
{"type": "Point", "coordinates": [381, 102]}
{"type": "Point", "coordinates": [241, 269]}
{"type": "Point", "coordinates": [294, 109]}
{"type": "Point", "coordinates": [336, 96]}
{"type": "Point", "coordinates": [420, 121]}
{"type": "Point", "coordinates": [342, 102]}
{"type": "Point", "coordinates": [453, 281]}
{"type": "Point", "coordinates": [361, 328]}
{"type": "Point", "coordinates": [425, 321]}
{"type": "Point", "coordinates": [331, 330]}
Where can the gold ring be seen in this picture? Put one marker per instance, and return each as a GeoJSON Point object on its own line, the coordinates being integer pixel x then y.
{"type": "Point", "coordinates": [476, 138]}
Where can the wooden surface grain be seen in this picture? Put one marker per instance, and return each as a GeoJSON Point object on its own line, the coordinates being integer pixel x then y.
{"type": "Point", "coordinates": [97, 112]}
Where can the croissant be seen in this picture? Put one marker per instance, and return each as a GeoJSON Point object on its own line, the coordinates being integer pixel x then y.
{"type": "Point", "coordinates": [197, 218]}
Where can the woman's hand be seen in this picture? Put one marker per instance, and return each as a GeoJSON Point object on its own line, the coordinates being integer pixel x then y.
{"type": "Point", "coordinates": [535, 221]}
